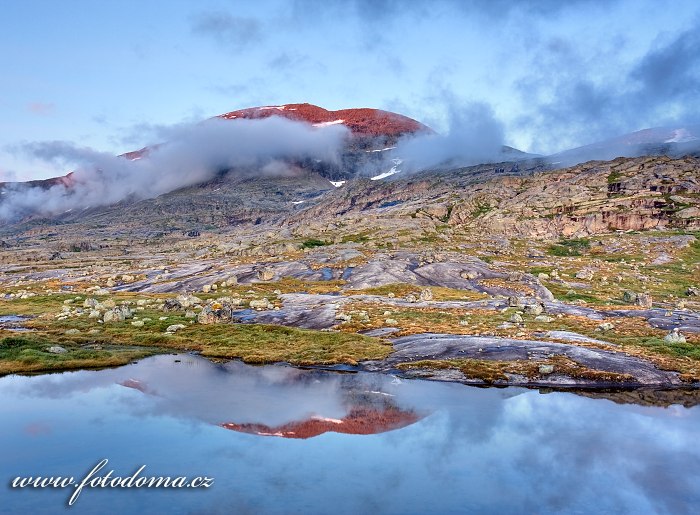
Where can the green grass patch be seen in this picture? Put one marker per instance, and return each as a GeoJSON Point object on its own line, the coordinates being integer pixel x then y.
{"type": "Point", "coordinates": [569, 247]}
{"type": "Point", "coordinates": [313, 243]}
{"type": "Point", "coordinates": [30, 354]}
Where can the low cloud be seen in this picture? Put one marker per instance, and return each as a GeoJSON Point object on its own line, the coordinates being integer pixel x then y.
{"type": "Point", "coordinates": [191, 155]}
{"type": "Point", "coordinates": [473, 136]}
{"type": "Point", "coordinates": [568, 108]}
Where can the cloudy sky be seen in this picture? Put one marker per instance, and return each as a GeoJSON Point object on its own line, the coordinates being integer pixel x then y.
{"type": "Point", "coordinates": [110, 75]}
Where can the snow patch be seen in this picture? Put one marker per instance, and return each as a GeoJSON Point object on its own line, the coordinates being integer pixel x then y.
{"type": "Point", "coordinates": [394, 169]}
{"type": "Point", "coordinates": [279, 108]}
{"type": "Point", "coordinates": [381, 149]}
{"type": "Point", "coordinates": [325, 419]}
{"type": "Point", "coordinates": [337, 184]}
{"type": "Point", "coordinates": [681, 136]}
{"type": "Point", "coordinates": [295, 202]}
{"type": "Point", "coordinates": [326, 124]}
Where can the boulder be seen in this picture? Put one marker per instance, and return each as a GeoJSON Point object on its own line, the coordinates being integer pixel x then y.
{"type": "Point", "coordinates": [674, 337]}
{"type": "Point", "coordinates": [113, 315]}
{"type": "Point", "coordinates": [266, 274]}
{"type": "Point", "coordinates": [533, 309]}
{"type": "Point", "coordinates": [260, 304]}
{"type": "Point", "coordinates": [56, 349]}
{"type": "Point", "coordinates": [90, 302]}
{"type": "Point", "coordinates": [546, 369]}
{"type": "Point", "coordinates": [638, 299]}
{"type": "Point", "coordinates": [644, 300]}
{"type": "Point", "coordinates": [174, 328]}
{"type": "Point", "coordinates": [544, 318]}
{"type": "Point", "coordinates": [585, 274]}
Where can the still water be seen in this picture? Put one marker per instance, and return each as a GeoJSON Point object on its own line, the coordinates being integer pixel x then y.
{"type": "Point", "coordinates": [282, 440]}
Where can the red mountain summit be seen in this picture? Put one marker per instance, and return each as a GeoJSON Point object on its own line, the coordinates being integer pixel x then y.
{"type": "Point", "coordinates": [362, 121]}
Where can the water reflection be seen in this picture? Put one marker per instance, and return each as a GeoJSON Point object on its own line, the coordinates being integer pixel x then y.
{"type": "Point", "coordinates": [440, 448]}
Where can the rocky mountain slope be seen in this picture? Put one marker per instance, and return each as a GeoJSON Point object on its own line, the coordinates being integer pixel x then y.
{"type": "Point", "coordinates": [503, 273]}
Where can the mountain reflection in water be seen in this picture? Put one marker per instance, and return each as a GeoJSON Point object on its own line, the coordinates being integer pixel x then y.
{"type": "Point", "coordinates": [380, 444]}
{"type": "Point", "coordinates": [351, 403]}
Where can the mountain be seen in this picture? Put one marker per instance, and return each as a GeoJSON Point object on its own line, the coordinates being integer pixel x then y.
{"type": "Point", "coordinates": [657, 141]}
{"type": "Point", "coordinates": [363, 122]}
{"type": "Point", "coordinates": [372, 130]}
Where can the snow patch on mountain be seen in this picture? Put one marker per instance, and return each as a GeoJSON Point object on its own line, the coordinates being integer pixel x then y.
{"type": "Point", "coordinates": [393, 170]}
{"type": "Point", "coordinates": [681, 136]}
{"type": "Point", "coordinates": [326, 124]}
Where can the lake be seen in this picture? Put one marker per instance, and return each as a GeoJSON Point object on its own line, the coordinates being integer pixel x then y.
{"type": "Point", "coordinates": [278, 439]}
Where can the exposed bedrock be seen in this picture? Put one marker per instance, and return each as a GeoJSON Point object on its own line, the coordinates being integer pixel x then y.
{"type": "Point", "coordinates": [448, 347]}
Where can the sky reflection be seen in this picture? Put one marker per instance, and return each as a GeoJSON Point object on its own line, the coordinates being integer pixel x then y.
{"type": "Point", "coordinates": [468, 449]}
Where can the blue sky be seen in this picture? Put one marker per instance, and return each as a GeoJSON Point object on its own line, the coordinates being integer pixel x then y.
{"type": "Point", "coordinates": [110, 74]}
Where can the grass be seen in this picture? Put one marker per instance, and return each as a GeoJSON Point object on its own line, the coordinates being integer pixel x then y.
{"type": "Point", "coordinates": [481, 209]}
{"type": "Point", "coordinates": [269, 344]}
{"type": "Point", "coordinates": [614, 177]}
{"type": "Point", "coordinates": [29, 354]}
{"type": "Point", "coordinates": [313, 243]}
{"type": "Point", "coordinates": [251, 343]}
{"type": "Point", "coordinates": [569, 247]}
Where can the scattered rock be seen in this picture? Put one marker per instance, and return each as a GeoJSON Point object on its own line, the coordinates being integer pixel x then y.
{"type": "Point", "coordinates": [90, 302]}
{"type": "Point", "coordinates": [137, 323]}
{"type": "Point", "coordinates": [266, 274]}
{"type": "Point", "coordinates": [692, 291]}
{"type": "Point", "coordinates": [261, 304]}
{"type": "Point", "coordinates": [113, 315]}
{"type": "Point", "coordinates": [533, 309]}
{"type": "Point", "coordinates": [544, 318]}
{"type": "Point", "coordinates": [546, 369]}
{"type": "Point", "coordinates": [644, 300]}
{"type": "Point", "coordinates": [516, 318]}
{"type": "Point", "coordinates": [639, 299]}
{"type": "Point", "coordinates": [71, 332]}
{"type": "Point", "coordinates": [174, 328]}
{"type": "Point", "coordinates": [56, 349]}
{"type": "Point", "coordinates": [605, 326]}
{"type": "Point", "coordinates": [674, 337]}
{"type": "Point", "coordinates": [426, 294]}
{"type": "Point", "coordinates": [586, 274]}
